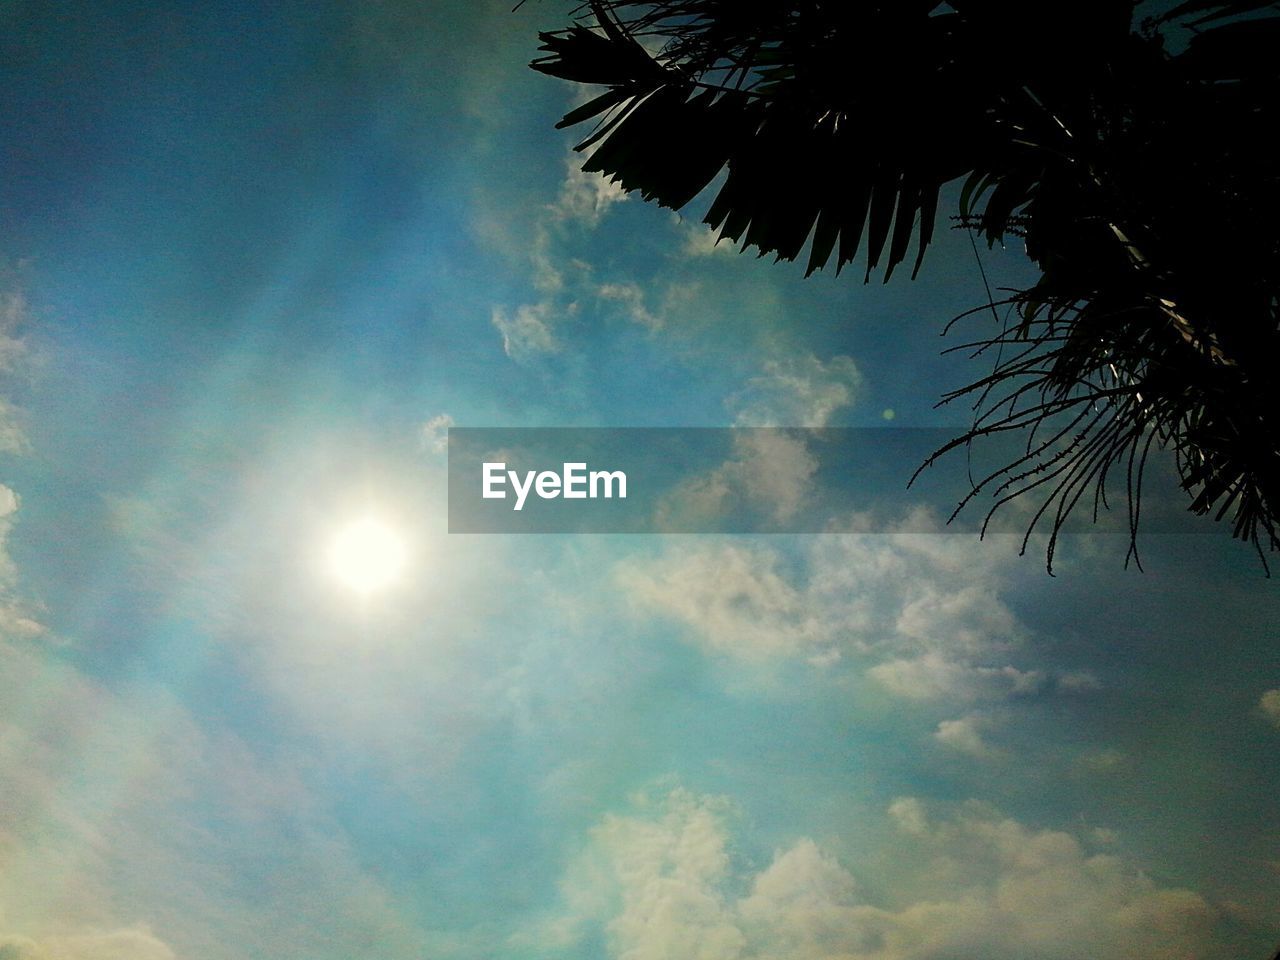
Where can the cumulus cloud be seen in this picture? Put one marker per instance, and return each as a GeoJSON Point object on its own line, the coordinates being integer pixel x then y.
{"type": "Point", "coordinates": [770, 473]}
{"type": "Point", "coordinates": [668, 870]}
{"type": "Point", "coordinates": [796, 391]}
{"type": "Point", "coordinates": [661, 885]}
{"type": "Point", "coordinates": [908, 815]}
{"type": "Point", "coordinates": [735, 600]}
{"type": "Point", "coordinates": [923, 615]}
{"type": "Point", "coordinates": [964, 735]}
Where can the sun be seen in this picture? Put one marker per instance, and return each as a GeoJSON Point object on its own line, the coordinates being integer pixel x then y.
{"type": "Point", "coordinates": [367, 555]}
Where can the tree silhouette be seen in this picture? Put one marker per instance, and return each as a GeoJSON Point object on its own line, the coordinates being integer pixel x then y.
{"type": "Point", "coordinates": [1131, 154]}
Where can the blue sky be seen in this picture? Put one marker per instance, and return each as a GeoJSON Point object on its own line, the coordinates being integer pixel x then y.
{"type": "Point", "coordinates": [254, 260]}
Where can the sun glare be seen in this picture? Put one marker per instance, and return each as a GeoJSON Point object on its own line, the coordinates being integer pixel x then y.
{"type": "Point", "coordinates": [367, 555]}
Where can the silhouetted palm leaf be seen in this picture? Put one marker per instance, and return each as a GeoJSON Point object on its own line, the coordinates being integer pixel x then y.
{"type": "Point", "coordinates": [1141, 178]}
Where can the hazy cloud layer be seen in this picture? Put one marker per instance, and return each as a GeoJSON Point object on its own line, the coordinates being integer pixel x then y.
{"type": "Point", "coordinates": [103, 829]}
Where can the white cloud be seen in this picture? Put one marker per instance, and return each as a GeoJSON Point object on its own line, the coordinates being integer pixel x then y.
{"type": "Point", "coordinates": [9, 503]}
{"type": "Point", "coordinates": [770, 472]}
{"type": "Point", "coordinates": [660, 883]}
{"type": "Point", "coordinates": [129, 943]}
{"type": "Point", "coordinates": [668, 871]}
{"type": "Point", "coordinates": [528, 333]}
{"type": "Point", "coordinates": [701, 241]}
{"type": "Point", "coordinates": [17, 620]}
{"type": "Point", "coordinates": [435, 433]}
{"type": "Point", "coordinates": [964, 735]}
{"type": "Point", "coordinates": [632, 300]}
{"type": "Point", "coordinates": [934, 675]}
{"type": "Point", "coordinates": [908, 815]}
{"type": "Point", "coordinates": [923, 614]}
{"type": "Point", "coordinates": [13, 439]}
{"type": "Point", "coordinates": [734, 599]}
{"type": "Point", "coordinates": [1269, 704]}
{"type": "Point", "coordinates": [584, 198]}
{"type": "Point", "coordinates": [797, 391]}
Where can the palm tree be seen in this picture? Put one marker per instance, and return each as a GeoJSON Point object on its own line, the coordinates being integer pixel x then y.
{"type": "Point", "coordinates": [1132, 155]}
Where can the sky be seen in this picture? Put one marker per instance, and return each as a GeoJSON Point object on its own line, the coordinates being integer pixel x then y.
{"type": "Point", "coordinates": [255, 260]}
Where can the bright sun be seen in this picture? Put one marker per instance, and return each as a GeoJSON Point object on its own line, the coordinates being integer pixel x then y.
{"type": "Point", "coordinates": [367, 555]}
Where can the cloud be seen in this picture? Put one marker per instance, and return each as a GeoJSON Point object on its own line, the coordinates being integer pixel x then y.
{"type": "Point", "coordinates": [934, 675]}
{"type": "Point", "coordinates": [1269, 704]}
{"type": "Point", "coordinates": [908, 815]}
{"type": "Point", "coordinates": [668, 870]}
{"type": "Point", "coordinates": [771, 472]}
{"type": "Point", "coordinates": [584, 198]}
{"type": "Point", "coordinates": [435, 433]}
{"type": "Point", "coordinates": [965, 736]}
{"type": "Point", "coordinates": [1079, 681]}
{"type": "Point", "coordinates": [631, 298]}
{"type": "Point", "coordinates": [797, 391]}
{"type": "Point", "coordinates": [15, 314]}
{"type": "Point", "coordinates": [130, 943]}
{"type": "Point", "coordinates": [582, 202]}
{"type": "Point", "coordinates": [17, 620]}
{"type": "Point", "coordinates": [702, 241]}
{"type": "Point", "coordinates": [121, 811]}
{"type": "Point", "coordinates": [1103, 761]}
{"type": "Point", "coordinates": [660, 883]}
{"type": "Point", "coordinates": [528, 333]}
{"type": "Point", "coordinates": [924, 614]}
{"type": "Point", "coordinates": [734, 599]}
{"type": "Point", "coordinates": [8, 508]}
